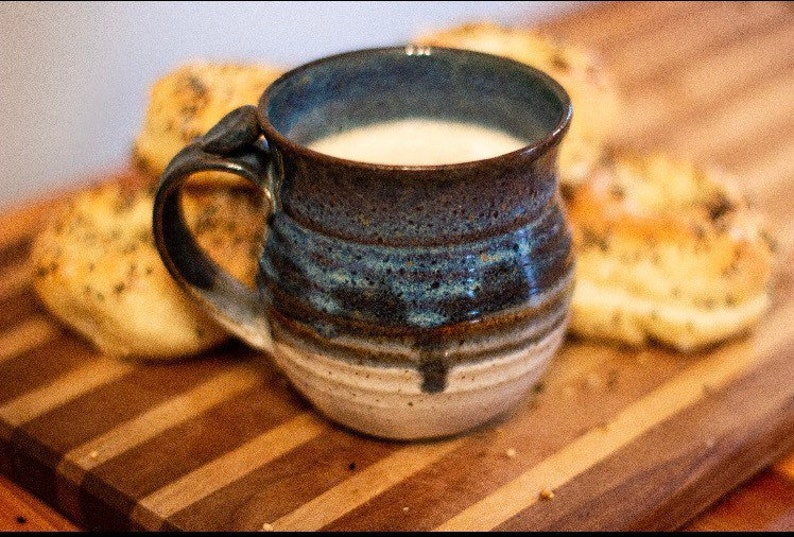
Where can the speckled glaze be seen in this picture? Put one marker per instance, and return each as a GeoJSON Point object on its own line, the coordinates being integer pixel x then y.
{"type": "Point", "coordinates": [403, 301]}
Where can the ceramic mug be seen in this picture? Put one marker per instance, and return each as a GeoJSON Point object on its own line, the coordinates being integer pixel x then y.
{"type": "Point", "coordinates": [404, 301]}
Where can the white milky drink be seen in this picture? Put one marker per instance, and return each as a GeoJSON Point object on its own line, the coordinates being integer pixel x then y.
{"type": "Point", "coordinates": [418, 142]}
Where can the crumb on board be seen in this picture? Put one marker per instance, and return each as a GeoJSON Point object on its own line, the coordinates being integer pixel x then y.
{"type": "Point", "coordinates": [546, 494]}
{"type": "Point", "coordinates": [406, 509]}
{"type": "Point", "coordinates": [94, 455]}
{"type": "Point", "coordinates": [267, 527]}
{"type": "Point", "coordinates": [511, 453]}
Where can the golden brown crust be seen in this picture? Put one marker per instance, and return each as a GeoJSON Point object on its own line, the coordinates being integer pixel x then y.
{"type": "Point", "coordinates": [594, 95]}
{"type": "Point", "coordinates": [186, 102]}
{"type": "Point", "coordinates": [97, 269]}
{"type": "Point", "coordinates": [666, 251]}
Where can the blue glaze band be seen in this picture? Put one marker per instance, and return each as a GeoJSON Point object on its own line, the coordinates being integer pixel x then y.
{"type": "Point", "coordinates": [409, 286]}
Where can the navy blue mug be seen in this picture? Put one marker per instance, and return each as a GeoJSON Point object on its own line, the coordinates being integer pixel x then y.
{"type": "Point", "coordinates": [403, 299]}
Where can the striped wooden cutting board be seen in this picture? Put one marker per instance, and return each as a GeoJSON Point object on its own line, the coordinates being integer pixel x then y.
{"type": "Point", "coordinates": [617, 439]}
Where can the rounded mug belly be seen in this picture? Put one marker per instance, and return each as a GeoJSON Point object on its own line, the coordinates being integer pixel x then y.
{"type": "Point", "coordinates": [417, 341]}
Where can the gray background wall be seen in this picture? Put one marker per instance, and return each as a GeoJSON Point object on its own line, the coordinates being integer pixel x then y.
{"type": "Point", "coordinates": [74, 76]}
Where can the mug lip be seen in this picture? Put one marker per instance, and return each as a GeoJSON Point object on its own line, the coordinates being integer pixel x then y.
{"type": "Point", "coordinates": [272, 135]}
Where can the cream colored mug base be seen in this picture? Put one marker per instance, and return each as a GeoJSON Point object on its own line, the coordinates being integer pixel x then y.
{"type": "Point", "coordinates": [387, 401]}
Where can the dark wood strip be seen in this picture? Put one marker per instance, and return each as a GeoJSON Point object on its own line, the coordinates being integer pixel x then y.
{"type": "Point", "coordinates": [683, 465]}
{"type": "Point", "coordinates": [111, 491]}
{"type": "Point", "coordinates": [579, 393]}
{"type": "Point", "coordinates": [40, 366]}
{"type": "Point", "coordinates": [17, 307]}
{"type": "Point", "coordinates": [285, 484]}
{"type": "Point", "coordinates": [14, 252]}
{"type": "Point", "coordinates": [94, 413]}
{"type": "Point", "coordinates": [763, 504]}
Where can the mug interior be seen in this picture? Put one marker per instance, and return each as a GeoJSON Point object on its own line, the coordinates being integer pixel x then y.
{"type": "Point", "coordinates": [366, 87]}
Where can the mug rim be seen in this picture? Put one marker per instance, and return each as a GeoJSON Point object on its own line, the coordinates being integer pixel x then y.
{"type": "Point", "coordinates": [554, 136]}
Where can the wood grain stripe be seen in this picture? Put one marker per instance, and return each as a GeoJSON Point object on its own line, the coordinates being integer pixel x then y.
{"type": "Point", "coordinates": [786, 467]}
{"type": "Point", "coordinates": [605, 24]}
{"type": "Point", "coordinates": [18, 307]}
{"type": "Point", "coordinates": [14, 279]}
{"type": "Point", "coordinates": [63, 389]}
{"type": "Point", "coordinates": [761, 506]}
{"type": "Point", "coordinates": [760, 113]}
{"type": "Point", "coordinates": [767, 173]}
{"type": "Point", "coordinates": [714, 49]}
{"type": "Point", "coordinates": [24, 221]}
{"type": "Point", "coordinates": [21, 511]}
{"type": "Point", "coordinates": [654, 52]}
{"type": "Point", "coordinates": [26, 336]}
{"type": "Point", "coordinates": [694, 89]}
{"type": "Point", "coordinates": [749, 115]}
{"type": "Point", "coordinates": [12, 252]}
{"type": "Point", "coordinates": [151, 512]}
{"type": "Point", "coordinates": [179, 409]}
{"type": "Point", "coordinates": [365, 485]}
{"type": "Point", "coordinates": [599, 443]}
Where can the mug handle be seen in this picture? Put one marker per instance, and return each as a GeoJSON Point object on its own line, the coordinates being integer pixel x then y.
{"type": "Point", "coordinates": [232, 145]}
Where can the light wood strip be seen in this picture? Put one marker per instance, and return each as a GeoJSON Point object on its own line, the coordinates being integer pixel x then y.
{"type": "Point", "coordinates": [62, 390]}
{"type": "Point", "coordinates": [770, 168]}
{"type": "Point", "coordinates": [759, 113]}
{"type": "Point", "coordinates": [721, 49]}
{"type": "Point", "coordinates": [786, 466]}
{"type": "Point", "coordinates": [603, 24]}
{"type": "Point", "coordinates": [14, 279]}
{"type": "Point", "coordinates": [401, 465]}
{"type": "Point", "coordinates": [152, 510]}
{"type": "Point", "coordinates": [694, 89]}
{"type": "Point", "coordinates": [769, 177]}
{"type": "Point", "coordinates": [652, 52]}
{"type": "Point", "coordinates": [32, 333]}
{"type": "Point", "coordinates": [364, 486]}
{"type": "Point", "coordinates": [743, 58]}
{"type": "Point", "coordinates": [751, 115]}
{"type": "Point", "coordinates": [134, 432]}
{"type": "Point", "coordinates": [598, 444]}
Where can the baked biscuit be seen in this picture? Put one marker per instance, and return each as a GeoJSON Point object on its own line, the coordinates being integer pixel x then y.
{"type": "Point", "coordinates": [666, 251]}
{"type": "Point", "coordinates": [97, 269]}
{"type": "Point", "coordinates": [593, 93]}
{"type": "Point", "coordinates": [186, 102]}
